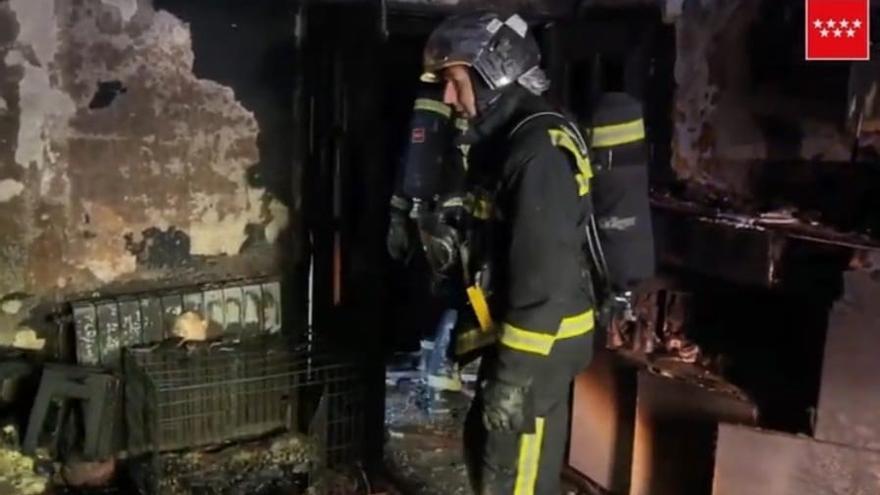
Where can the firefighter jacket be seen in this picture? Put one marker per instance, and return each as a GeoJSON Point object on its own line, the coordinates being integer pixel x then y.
{"type": "Point", "coordinates": [541, 290]}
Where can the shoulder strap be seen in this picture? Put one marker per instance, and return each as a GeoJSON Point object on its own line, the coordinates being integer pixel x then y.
{"type": "Point", "coordinates": [573, 129]}
{"type": "Point", "coordinates": [567, 137]}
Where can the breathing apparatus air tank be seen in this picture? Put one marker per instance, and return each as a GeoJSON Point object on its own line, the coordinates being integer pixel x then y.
{"type": "Point", "coordinates": [616, 135]}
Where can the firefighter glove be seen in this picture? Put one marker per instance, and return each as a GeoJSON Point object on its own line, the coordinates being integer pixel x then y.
{"type": "Point", "coordinates": [398, 238]}
{"type": "Point", "coordinates": [441, 242]}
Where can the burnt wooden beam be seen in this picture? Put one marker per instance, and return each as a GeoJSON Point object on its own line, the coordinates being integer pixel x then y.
{"type": "Point", "coordinates": [716, 248]}
{"type": "Point", "coordinates": [749, 249]}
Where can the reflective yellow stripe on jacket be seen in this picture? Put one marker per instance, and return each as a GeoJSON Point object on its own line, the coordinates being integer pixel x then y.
{"type": "Point", "coordinates": [473, 340]}
{"type": "Point", "coordinates": [525, 340]}
{"type": "Point", "coordinates": [433, 106]}
{"type": "Point", "coordinates": [618, 134]}
{"type": "Point", "coordinates": [542, 343]}
{"type": "Point", "coordinates": [562, 138]}
{"type": "Point", "coordinates": [576, 325]}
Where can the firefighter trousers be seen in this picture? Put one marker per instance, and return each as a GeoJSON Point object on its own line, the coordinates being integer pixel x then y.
{"type": "Point", "coordinates": [510, 463]}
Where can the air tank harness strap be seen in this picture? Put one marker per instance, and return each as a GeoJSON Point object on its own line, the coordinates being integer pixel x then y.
{"type": "Point", "coordinates": [570, 140]}
{"type": "Point", "coordinates": [563, 138]}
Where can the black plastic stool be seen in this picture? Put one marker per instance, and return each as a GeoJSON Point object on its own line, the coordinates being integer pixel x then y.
{"type": "Point", "coordinates": [97, 391]}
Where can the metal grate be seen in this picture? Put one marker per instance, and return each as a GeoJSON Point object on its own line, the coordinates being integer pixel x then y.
{"type": "Point", "coordinates": [209, 394]}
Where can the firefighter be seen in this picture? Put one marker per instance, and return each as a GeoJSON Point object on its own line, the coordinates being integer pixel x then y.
{"type": "Point", "coordinates": [425, 207]}
{"type": "Point", "coordinates": [426, 177]}
{"type": "Point", "coordinates": [540, 299]}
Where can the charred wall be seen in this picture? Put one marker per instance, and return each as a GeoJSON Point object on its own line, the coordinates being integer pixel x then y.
{"type": "Point", "coordinates": [754, 121]}
{"type": "Point", "coordinates": [745, 93]}
{"type": "Point", "coordinates": [141, 144]}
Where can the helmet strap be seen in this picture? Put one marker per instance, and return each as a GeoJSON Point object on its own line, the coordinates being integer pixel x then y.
{"type": "Point", "coordinates": [495, 116]}
{"type": "Point", "coordinates": [484, 96]}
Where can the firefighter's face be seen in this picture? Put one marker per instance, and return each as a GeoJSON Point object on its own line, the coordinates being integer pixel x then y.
{"type": "Point", "coordinates": [459, 90]}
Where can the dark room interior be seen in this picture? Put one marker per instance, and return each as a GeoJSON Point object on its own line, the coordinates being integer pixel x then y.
{"type": "Point", "coordinates": [199, 292]}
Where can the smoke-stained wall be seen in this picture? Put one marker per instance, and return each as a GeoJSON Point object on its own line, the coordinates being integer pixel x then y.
{"type": "Point", "coordinates": [122, 166]}
{"type": "Point", "coordinates": [745, 96]}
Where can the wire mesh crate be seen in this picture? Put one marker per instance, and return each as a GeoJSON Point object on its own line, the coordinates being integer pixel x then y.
{"type": "Point", "coordinates": [211, 394]}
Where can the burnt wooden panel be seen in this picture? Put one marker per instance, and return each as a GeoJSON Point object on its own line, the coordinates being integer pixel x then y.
{"type": "Point", "coordinates": [675, 432]}
{"type": "Point", "coordinates": [751, 461]}
{"type": "Point", "coordinates": [849, 394]}
{"type": "Point", "coordinates": [214, 310]}
{"type": "Point", "coordinates": [86, 322]}
{"type": "Point", "coordinates": [603, 411]}
{"type": "Point", "coordinates": [272, 307]}
{"type": "Point", "coordinates": [151, 319]}
{"type": "Point", "coordinates": [696, 245]}
{"type": "Point", "coordinates": [252, 314]}
{"type": "Point", "coordinates": [109, 334]}
{"type": "Point", "coordinates": [172, 307]}
{"type": "Point", "coordinates": [233, 309]}
{"type": "Point", "coordinates": [131, 327]}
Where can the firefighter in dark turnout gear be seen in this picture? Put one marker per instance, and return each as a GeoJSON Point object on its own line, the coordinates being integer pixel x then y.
{"type": "Point", "coordinates": [535, 161]}
{"type": "Point", "coordinates": [427, 177]}
{"type": "Point", "coordinates": [425, 209]}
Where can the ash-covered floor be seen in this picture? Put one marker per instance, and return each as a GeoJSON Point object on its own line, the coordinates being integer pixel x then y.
{"type": "Point", "coordinates": [423, 450]}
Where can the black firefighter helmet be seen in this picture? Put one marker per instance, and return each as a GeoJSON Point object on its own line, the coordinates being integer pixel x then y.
{"type": "Point", "coordinates": [498, 47]}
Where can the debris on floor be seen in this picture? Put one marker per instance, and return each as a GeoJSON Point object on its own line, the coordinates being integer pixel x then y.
{"type": "Point", "coordinates": [331, 482]}
{"type": "Point", "coordinates": [423, 450]}
{"type": "Point", "coordinates": [259, 467]}
{"type": "Point", "coordinates": [18, 473]}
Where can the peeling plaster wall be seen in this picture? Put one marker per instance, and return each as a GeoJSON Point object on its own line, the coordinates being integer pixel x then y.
{"type": "Point", "coordinates": [118, 164]}
{"type": "Point", "coordinates": [727, 120]}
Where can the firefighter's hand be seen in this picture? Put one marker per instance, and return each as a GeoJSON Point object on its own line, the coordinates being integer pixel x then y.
{"type": "Point", "coordinates": [507, 407]}
{"type": "Point", "coordinates": [398, 239]}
